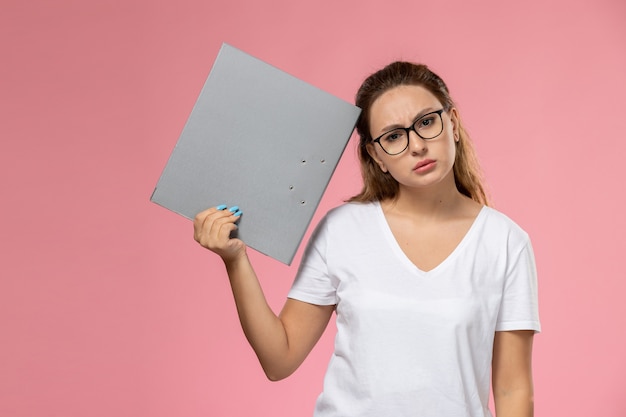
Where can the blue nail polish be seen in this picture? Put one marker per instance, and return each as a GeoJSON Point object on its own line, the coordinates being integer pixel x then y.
{"type": "Point", "coordinates": [233, 209]}
{"type": "Point", "coordinates": [237, 213]}
{"type": "Point", "coordinates": [221, 207]}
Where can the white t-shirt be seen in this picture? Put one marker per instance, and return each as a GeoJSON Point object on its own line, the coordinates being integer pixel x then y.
{"type": "Point", "coordinates": [409, 342]}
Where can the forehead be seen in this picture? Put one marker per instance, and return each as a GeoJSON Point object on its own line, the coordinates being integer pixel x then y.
{"type": "Point", "coordinates": [400, 105]}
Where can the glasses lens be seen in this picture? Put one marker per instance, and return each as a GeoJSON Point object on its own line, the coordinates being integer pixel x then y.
{"type": "Point", "coordinates": [429, 126]}
{"type": "Point", "coordinates": [394, 142]}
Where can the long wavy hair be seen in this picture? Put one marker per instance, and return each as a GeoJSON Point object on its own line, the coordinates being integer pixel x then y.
{"type": "Point", "coordinates": [378, 185]}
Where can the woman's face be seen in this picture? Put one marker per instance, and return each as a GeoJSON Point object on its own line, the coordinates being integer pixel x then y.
{"type": "Point", "coordinates": [424, 163]}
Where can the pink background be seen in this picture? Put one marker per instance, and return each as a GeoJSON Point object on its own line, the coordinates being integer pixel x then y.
{"type": "Point", "coordinates": [107, 305]}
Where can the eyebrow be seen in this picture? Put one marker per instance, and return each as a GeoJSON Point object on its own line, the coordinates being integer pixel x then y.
{"type": "Point", "coordinates": [415, 119]}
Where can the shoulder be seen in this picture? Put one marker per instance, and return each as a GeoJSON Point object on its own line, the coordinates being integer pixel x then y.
{"type": "Point", "coordinates": [351, 212]}
{"type": "Point", "coordinates": [342, 224]}
{"type": "Point", "coordinates": [339, 231]}
{"type": "Point", "coordinates": [497, 223]}
{"type": "Point", "coordinates": [503, 239]}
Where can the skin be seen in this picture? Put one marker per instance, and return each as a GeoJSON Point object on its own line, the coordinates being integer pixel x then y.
{"type": "Point", "coordinates": [281, 342]}
{"type": "Point", "coordinates": [511, 369]}
{"type": "Point", "coordinates": [428, 218]}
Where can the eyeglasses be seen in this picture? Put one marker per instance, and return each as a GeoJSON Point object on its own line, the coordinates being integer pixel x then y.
{"type": "Point", "coordinates": [427, 127]}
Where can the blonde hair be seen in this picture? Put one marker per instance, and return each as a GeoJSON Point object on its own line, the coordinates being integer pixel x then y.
{"type": "Point", "coordinates": [378, 185]}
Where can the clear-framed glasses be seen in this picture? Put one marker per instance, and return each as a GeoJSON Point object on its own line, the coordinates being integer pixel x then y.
{"type": "Point", "coordinates": [429, 126]}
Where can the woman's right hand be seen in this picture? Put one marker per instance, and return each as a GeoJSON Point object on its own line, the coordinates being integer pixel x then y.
{"type": "Point", "coordinates": [280, 343]}
{"type": "Point", "coordinates": [212, 229]}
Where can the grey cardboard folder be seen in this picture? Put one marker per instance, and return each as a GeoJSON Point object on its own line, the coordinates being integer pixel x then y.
{"type": "Point", "coordinates": [260, 139]}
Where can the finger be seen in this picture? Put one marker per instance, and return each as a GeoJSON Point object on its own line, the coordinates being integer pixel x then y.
{"type": "Point", "coordinates": [226, 229]}
{"type": "Point", "coordinates": [222, 224]}
{"type": "Point", "coordinates": [202, 217]}
{"type": "Point", "coordinates": [219, 240]}
{"type": "Point", "coordinates": [235, 245]}
{"type": "Point", "coordinates": [222, 213]}
{"type": "Point", "coordinates": [216, 227]}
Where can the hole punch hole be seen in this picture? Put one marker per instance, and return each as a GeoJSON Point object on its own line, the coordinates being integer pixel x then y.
{"type": "Point", "coordinates": [323, 161]}
{"type": "Point", "coordinates": [291, 187]}
{"type": "Point", "coordinates": [303, 161]}
{"type": "Point", "coordinates": [302, 202]}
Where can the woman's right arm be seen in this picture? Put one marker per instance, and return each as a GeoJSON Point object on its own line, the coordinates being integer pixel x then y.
{"type": "Point", "coordinates": [280, 342]}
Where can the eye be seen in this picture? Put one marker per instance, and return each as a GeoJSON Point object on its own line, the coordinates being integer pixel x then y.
{"type": "Point", "coordinates": [394, 136]}
{"type": "Point", "coordinates": [425, 122]}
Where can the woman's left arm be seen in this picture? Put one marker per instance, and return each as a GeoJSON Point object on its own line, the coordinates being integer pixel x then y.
{"type": "Point", "coordinates": [512, 378]}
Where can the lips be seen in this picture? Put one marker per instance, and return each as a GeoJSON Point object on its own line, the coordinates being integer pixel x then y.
{"type": "Point", "coordinates": [424, 165]}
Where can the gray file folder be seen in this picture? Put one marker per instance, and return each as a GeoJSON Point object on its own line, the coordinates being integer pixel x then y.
{"type": "Point", "coordinates": [260, 139]}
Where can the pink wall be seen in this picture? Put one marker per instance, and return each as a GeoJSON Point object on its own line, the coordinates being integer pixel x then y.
{"type": "Point", "coordinates": [107, 305]}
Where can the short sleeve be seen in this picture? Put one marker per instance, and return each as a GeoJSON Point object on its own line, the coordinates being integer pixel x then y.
{"type": "Point", "coordinates": [313, 283]}
{"type": "Point", "coordinates": [519, 309]}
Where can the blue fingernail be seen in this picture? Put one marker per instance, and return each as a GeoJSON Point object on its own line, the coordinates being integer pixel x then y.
{"type": "Point", "coordinates": [237, 213]}
{"type": "Point", "coordinates": [233, 209]}
{"type": "Point", "coordinates": [221, 207]}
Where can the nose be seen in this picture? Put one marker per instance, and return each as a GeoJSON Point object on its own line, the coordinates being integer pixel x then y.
{"type": "Point", "coordinates": [417, 145]}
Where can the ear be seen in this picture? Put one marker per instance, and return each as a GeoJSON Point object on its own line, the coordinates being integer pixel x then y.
{"type": "Point", "coordinates": [371, 150]}
{"type": "Point", "coordinates": [456, 123]}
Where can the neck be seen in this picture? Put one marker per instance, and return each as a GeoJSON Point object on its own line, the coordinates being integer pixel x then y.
{"type": "Point", "coordinates": [439, 201]}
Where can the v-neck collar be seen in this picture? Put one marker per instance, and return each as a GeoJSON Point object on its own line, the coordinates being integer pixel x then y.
{"type": "Point", "coordinates": [395, 246]}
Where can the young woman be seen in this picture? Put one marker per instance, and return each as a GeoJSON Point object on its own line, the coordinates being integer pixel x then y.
{"type": "Point", "coordinates": [434, 291]}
